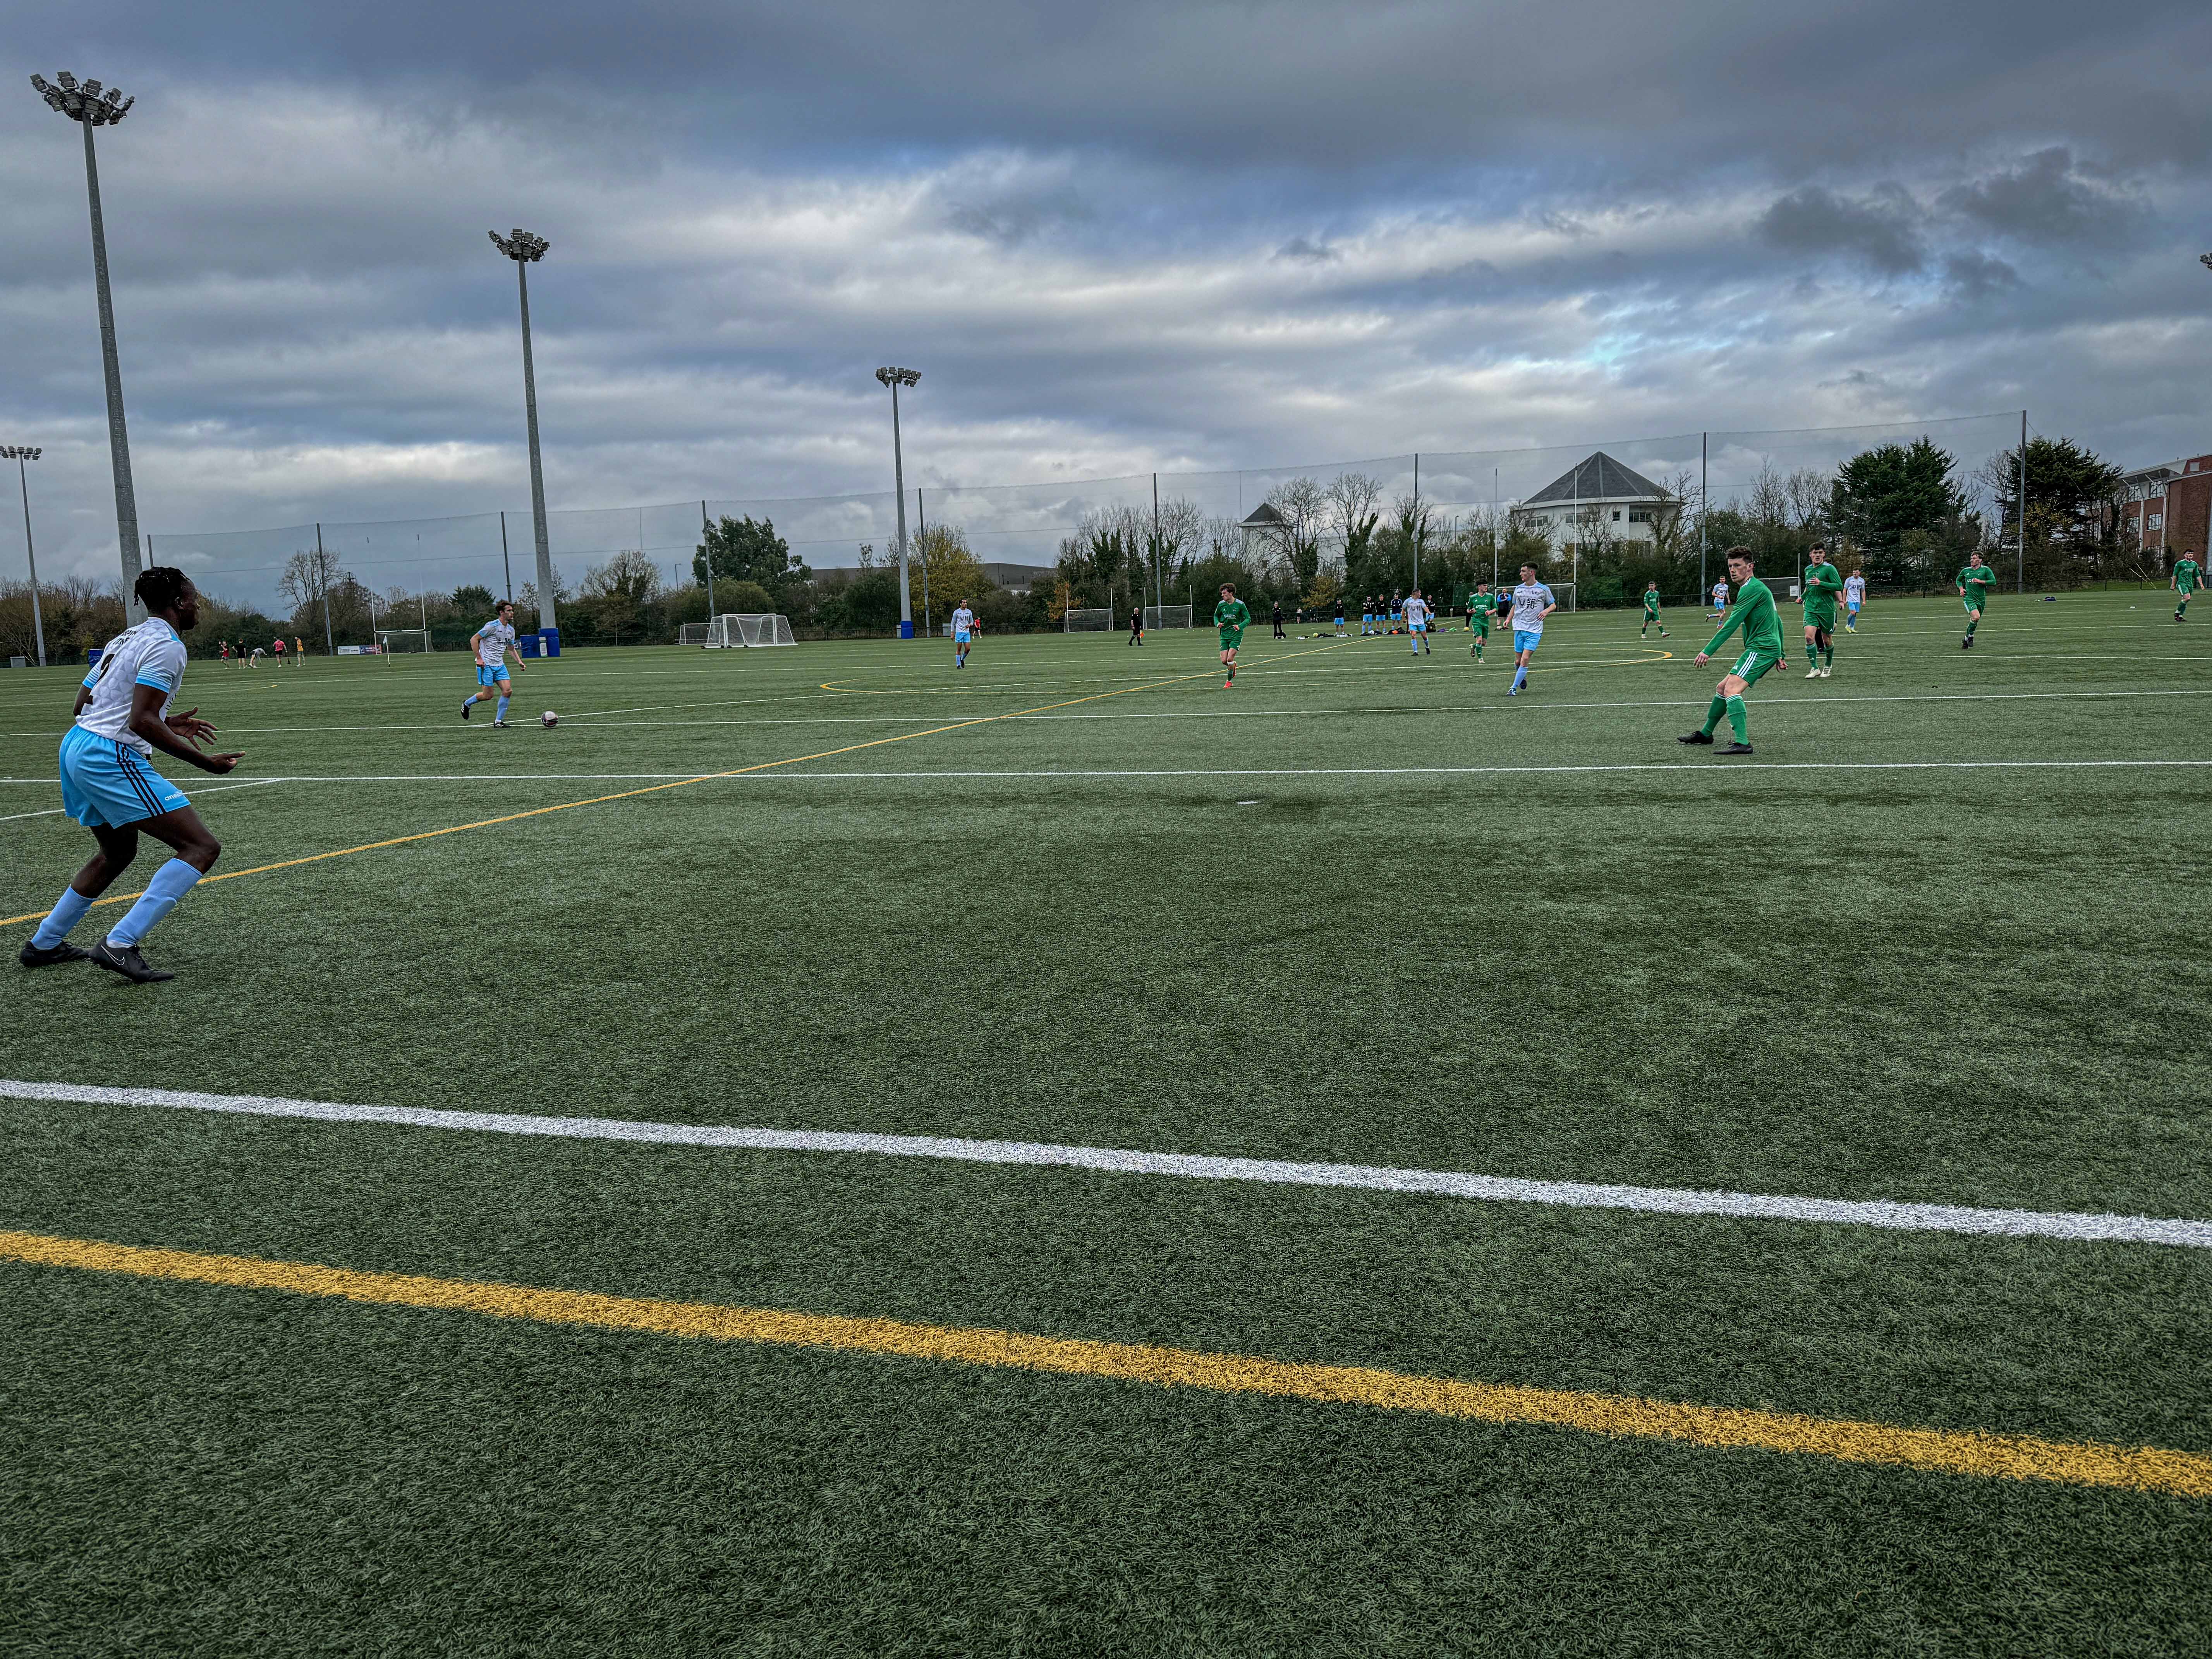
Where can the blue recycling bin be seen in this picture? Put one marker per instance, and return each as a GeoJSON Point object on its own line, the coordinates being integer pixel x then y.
{"type": "Point", "coordinates": [906, 629]}
{"type": "Point", "coordinates": [549, 642]}
{"type": "Point", "coordinates": [527, 644]}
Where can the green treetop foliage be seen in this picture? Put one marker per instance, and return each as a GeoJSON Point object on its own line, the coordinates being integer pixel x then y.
{"type": "Point", "coordinates": [743, 550]}
{"type": "Point", "coordinates": [1880, 496]}
{"type": "Point", "coordinates": [2069, 488]}
{"type": "Point", "coordinates": [473, 599]}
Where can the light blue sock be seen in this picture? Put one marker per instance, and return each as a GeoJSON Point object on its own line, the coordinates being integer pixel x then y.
{"type": "Point", "coordinates": [170, 882]}
{"type": "Point", "coordinates": [501, 714]}
{"type": "Point", "coordinates": [64, 916]}
{"type": "Point", "coordinates": [1520, 675]}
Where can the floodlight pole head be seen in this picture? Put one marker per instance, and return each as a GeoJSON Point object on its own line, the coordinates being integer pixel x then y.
{"type": "Point", "coordinates": [2205, 259]}
{"type": "Point", "coordinates": [17, 453]}
{"type": "Point", "coordinates": [522, 246]}
{"type": "Point", "coordinates": [82, 101]}
{"type": "Point", "coordinates": [898, 376]}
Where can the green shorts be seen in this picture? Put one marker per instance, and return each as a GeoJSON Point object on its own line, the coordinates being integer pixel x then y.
{"type": "Point", "coordinates": [1825, 623]}
{"type": "Point", "coordinates": [1974, 601]}
{"type": "Point", "coordinates": [1752, 665]}
{"type": "Point", "coordinates": [1480, 625]}
{"type": "Point", "coordinates": [1651, 613]}
{"type": "Point", "coordinates": [1232, 638]}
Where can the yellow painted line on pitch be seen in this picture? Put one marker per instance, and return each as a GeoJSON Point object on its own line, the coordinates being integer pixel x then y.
{"type": "Point", "coordinates": [648, 789]}
{"type": "Point", "coordinates": [1940, 1451]}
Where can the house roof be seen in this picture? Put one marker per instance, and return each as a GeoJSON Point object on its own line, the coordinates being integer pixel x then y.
{"type": "Point", "coordinates": [1600, 478]}
{"type": "Point", "coordinates": [1263, 517]}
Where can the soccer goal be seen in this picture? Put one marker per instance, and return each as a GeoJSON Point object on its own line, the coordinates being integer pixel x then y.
{"type": "Point", "coordinates": [1088, 621]}
{"type": "Point", "coordinates": [692, 633]}
{"type": "Point", "coordinates": [737, 632]}
{"type": "Point", "coordinates": [1167, 616]}
{"type": "Point", "coordinates": [391, 640]}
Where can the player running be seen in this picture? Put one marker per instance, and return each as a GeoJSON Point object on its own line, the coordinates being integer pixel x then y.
{"type": "Point", "coordinates": [1763, 649]}
{"type": "Point", "coordinates": [122, 716]}
{"type": "Point", "coordinates": [2188, 575]}
{"type": "Point", "coordinates": [1720, 599]}
{"type": "Point", "coordinates": [1822, 582]}
{"type": "Point", "coordinates": [1974, 589]}
{"type": "Point", "coordinates": [1532, 603]}
{"type": "Point", "coordinates": [1481, 606]}
{"type": "Point", "coordinates": [963, 633]}
{"type": "Point", "coordinates": [491, 643]}
{"type": "Point", "coordinates": [1854, 600]}
{"type": "Point", "coordinates": [1652, 611]}
{"type": "Point", "coordinates": [1232, 618]}
{"type": "Point", "coordinates": [1417, 622]}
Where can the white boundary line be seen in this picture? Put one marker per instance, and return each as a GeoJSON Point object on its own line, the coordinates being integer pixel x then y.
{"type": "Point", "coordinates": [1657, 1201]}
{"type": "Point", "coordinates": [217, 789]}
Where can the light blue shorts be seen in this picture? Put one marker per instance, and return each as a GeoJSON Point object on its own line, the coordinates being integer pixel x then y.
{"type": "Point", "coordinates": [960, 637]}
{"type": "Point", "coordinates": [1418, 627]}
{"type": "Point", "coordinates": [1524, 640]}
{"type": "Point", "coordinates": [490, 676]}
{"type": "Point", "coordinates": [1852, 606]}
{"type": "Point", "coordinates": [107, 781]}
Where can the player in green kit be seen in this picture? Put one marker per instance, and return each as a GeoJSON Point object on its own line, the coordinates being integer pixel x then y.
{"type": "Point", "coordinates": [2188, 576]}
{"type": "Point", "coordinates": [1652, 612]}
{"type": "Point", "coordinates": [1753, 612]}
{"type": "Point", "coordinates": [1231, 618]}
{"type": "Point", "coordinates": [1480, 608]}
{"type": "Point", "coordinates": [1823, 581]}
{"type": "Point", "coordinates": [1974, 588]}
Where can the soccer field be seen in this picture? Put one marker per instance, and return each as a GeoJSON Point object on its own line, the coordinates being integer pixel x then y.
{"type": "Point", "coordinates": [1840, 1285]}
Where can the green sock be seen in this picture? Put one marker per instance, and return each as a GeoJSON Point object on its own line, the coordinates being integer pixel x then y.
{"type": "Point", "coordinates": [1737, 721]}
{"type": "Point", "coordinates": [1717, 708]}
{"type": "Point", "coordinates": [1828, 655]}
{"type": "Point", "coordinates": [1971, 626]}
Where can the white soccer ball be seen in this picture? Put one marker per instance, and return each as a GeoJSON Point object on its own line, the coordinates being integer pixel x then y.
{"type": "Point", "coordinates": [548, 718]}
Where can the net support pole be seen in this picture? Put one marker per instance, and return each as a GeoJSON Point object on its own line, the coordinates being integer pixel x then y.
{"type": "Point", "coordinates": [1418, 526]}
{"type": "Point", "coordinates": [1159, 594]}
{"type": "Point", "coordinates": [506, 564]}
{"type": "Point", "coordinates": [323, 582]}
{"type": "Point", "coordinates": [707, 558]}
{"type": "Point", "coordinates": [2022, 563]}
{"type": "Point", "coordinates": [1704, 509]}
{"type": "Point", "coordinates": [922, 537]}
{"type": "Point", "coordinates": [31, 557]}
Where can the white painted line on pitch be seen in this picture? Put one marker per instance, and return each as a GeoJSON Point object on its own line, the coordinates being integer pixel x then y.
{"type": "Point", "coordinates": [215, 789]}
{"type": "Point", "coordinates": [1660, 1201]}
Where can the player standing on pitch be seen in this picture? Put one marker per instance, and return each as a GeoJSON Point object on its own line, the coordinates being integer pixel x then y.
{"type": "Point", "coordinates": [1762, 650]}
{"type": "Point", "coordinates": [1822, 581]}
{"type": "Point", "coordinates": [963, 633]}
{"type": "Point", "coordinates": [491, 643]}
{"type": "Point", "coordinates": [1974, 589]}
{"type": "Point", "coordinates": [1532, 603]}
{"type": "Point", "coordinates": [1417, 621]}
{"type": "Point", "coordinates": [1854, 600]}
{"type": "Point", "coordinates": [1231, 618]}
{"type": "Point", "coordinates": [122, 716]}
{"type": "Point", "coordinates": [1651, 610]}
{"type": "Point", "coordinates": [1481, 606]}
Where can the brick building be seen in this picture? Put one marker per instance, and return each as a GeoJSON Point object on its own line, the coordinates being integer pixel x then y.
{"type": "Point", "coordinates": [2169, 508]}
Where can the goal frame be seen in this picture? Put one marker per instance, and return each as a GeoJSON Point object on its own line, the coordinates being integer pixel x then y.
{"type": "Point", "coordinates": [1168, 616]}
{"type": "Point", "coordinates": [385, 636]}
{"type": "Point", "coordinates": [1094, 619]}
{"type": "Point", "coordinates": [747, 630]}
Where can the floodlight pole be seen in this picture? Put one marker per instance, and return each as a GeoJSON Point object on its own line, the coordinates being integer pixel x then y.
{"type": "Point", "coordinates": [2021, 567]}
{"type": "Point", "coordinates": [85, 105]}
{"type": "Point", "coordinates": [526, 249]}
{"type": "Point", "coordinates": [1704, 510]}
{"type": "Point", "coordinates": [19, 455]}
{"type": "Point", "coordinates": [896, 378]}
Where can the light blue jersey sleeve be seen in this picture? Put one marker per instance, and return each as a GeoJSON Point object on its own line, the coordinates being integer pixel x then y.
{"type": "Point", "coordinates": [163, 666]}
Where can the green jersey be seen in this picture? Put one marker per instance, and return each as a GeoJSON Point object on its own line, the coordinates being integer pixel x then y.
{"type": "Point", "coordinates": [1974, 582]}
{"type": "Point", "coordinates": [1650, 601]}
{"type": "Point", "coordinates": [1752, 612]}
{"type": "Point", "coordinates": [1231, 616]}
{"type": "Point", "coordinates": [1823, 581]}
{"type": "Point", "coordinates": [1480, 610]}
{"type": "Point", "coordinates": [2187, 574]}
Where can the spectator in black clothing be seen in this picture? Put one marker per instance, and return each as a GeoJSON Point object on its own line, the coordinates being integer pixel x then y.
{"type": "Point", "coordinates": [1278, 619]}
{"type": "Point", "coordinates": [1137, 624]}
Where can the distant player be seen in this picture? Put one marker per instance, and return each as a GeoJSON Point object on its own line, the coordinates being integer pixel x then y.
{"type": "Point", "coordinates": [1279, 621]}
{"type": "Point", "coordinates": [963, 633]}
{"type": "Point", "coordinates": [2187, 576]}
{"type": "Point", "coordinates": [1762, 650]}
{"type": "Point", "coordinates": [1822, 582]}
{"type": "Point", "coordinates": [491, 643]}
{"type": "Point", "coordinates": [1854, 600]}
{"type": "Point", "coordinates": [1532, 603]}
{"type": "Point", "coordinates": [1136, 624]}
{"type": "Point", "coordinates": [1339, 616]}
{"type": "Point", "coordinates": [299, 652]}
{"type": "Point", "coordinates": [122, 716]}
{"type": "Point", "coordinates": [254, 661]}
{"type": "Point", "coordinates": [278, 643]}
{"type": "Point", "coordinates": [1232, 618]}
{"type": "Point", "coordinates": [1652, 612]}
{"type": "Point", "coordinates": [1480, 608]}
{"type": "Point", "coordinates": [1720, 599]}
{"type": "Point", "coordinates": [1974, 590]}
{"type": "Point", "coordinates": [1417, 622]}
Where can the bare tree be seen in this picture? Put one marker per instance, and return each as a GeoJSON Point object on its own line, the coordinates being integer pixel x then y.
{"type": "Point", "coordinates": [1809, 490]}
{"type": "Point", "coordinates": [1353, 510]}
{"type": "Point", "coordinates": [1304, 505]}
{"type": "Point", "coordinates": [308, 576]}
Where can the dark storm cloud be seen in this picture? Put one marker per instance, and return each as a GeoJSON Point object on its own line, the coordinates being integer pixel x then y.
{"type": "Point", "coordinates": [1881, 228]}
{"type": "Point", "coordinates": [2045, 199]}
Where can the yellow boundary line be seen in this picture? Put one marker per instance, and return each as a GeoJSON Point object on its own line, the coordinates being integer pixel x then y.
{"type": "Point", "coordinates": [1940, 1451]}
{"type": "Point", "coordinates": [657, 789]}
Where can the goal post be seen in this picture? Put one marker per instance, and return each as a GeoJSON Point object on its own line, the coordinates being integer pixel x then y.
{"type": "Point", "coordinates": [1167, 616]}
{"type": "Point", "coordinates": [392, 640]}
{"type": "Point", "coordinates": [745, 630]}
{"type": "Point", "coordinates": [692, 633]}
{"type": "Point", "coordinates": [1088, 621]}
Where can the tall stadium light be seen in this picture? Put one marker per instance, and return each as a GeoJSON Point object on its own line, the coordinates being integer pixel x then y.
{"type": "Point", "coordinates": [526, 249]}
{"type": "Point", "coordinates": [18, 454]}
{"type": "Point", "coordinates": [896, 378]}
{"type": "Point", "coordinates": [87, 106]}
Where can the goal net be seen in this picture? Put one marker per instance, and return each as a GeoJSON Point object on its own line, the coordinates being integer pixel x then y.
{"type": "Point", "coordinates": [692, 633]}
{"type": "Point", "coordinates": [389, 640]}
{"type": "Point", "coordinates": [1089, 621]}
{"type": "Point", "coordinates": [1167, 616]}
{"type": "Point", "coordinates": [737, 632]}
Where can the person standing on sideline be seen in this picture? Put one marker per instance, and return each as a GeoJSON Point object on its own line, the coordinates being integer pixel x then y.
{"type": "Point", "coordinates": [1231, 616]}
{"type": "Point", "coordinates": [963, 633]}
{"type": "Point", "coordinates": [1822, 582]}
{"type": "Point", "coordinates": [122, 716]}
{"type": "Point", "coordinates": [491, 643]}
{"type": "Point", "coordinates": [1532, 603]}
{"type": "Point", "coordinates": [1279, 621]}
{"type": "Point", "coordinates": [1973, 585]}
{"type": "Point", "coordinates": [1762, 650]}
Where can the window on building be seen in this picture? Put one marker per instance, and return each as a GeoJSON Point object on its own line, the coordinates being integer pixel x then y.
{"type": "Point", "coordinates": [2156, 521]}
{"type": "Point", "coordinates": [1639, 515]}
{"type": "Point", "coordinates": [1616, 515]}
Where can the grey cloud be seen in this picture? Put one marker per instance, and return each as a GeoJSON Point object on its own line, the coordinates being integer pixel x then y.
{"type": "Point", "coordinates": [1311, 250]}
{"type": "Point", "coordinates": [1882, 227]}
{"type": "Point", "coordinates": [1015, 217]}
{"type": "Point", "coordinates": [2045, 199]}
{"type": "Point", "coordinates": [1974, 275]}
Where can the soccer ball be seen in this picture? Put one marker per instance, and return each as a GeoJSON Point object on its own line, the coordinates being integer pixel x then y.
{"type": "Point", "coordinates": [549, 719]}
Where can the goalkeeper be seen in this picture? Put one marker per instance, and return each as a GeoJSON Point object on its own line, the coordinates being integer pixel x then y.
{"type": "Point", "coordinates": [1762, 650]}
{"type": "Point", "coordinates": [1231, 618]}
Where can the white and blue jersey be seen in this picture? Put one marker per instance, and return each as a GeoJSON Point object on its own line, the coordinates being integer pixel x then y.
{"type": "Point", "coordinates": [1417, 615]}
{"type": "Point", "coordinates": [1530, 601]}
{"type": "Point", "coordinates": [106, 777]}
{"type": "Point", "coordinates": [1854, 593]}
{"type": "Point", "coordinates": [493, 640]}
{"type": "Point", "coordinates": [963, 625]}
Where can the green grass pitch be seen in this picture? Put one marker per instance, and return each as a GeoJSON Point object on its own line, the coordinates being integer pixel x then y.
{"type": "Point", "coordinates": [1362, 908]}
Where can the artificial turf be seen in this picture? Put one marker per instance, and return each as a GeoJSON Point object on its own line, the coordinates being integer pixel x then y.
{"type": "Point", "coordinates": [1265, 921]}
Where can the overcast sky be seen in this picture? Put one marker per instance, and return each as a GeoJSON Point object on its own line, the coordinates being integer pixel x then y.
{"type": "Point", "coordinates": [1113, 238]}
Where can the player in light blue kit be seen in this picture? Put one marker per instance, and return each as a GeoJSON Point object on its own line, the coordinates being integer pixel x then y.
{"type": "Point", "coordinates": [491, 643]}
{"type": "Point", "coordinates": [1417, 621]}
{"type": "Point", "coordinates": [1532, 603]}
{"type": "Point", "coordinates": [122, 716]}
